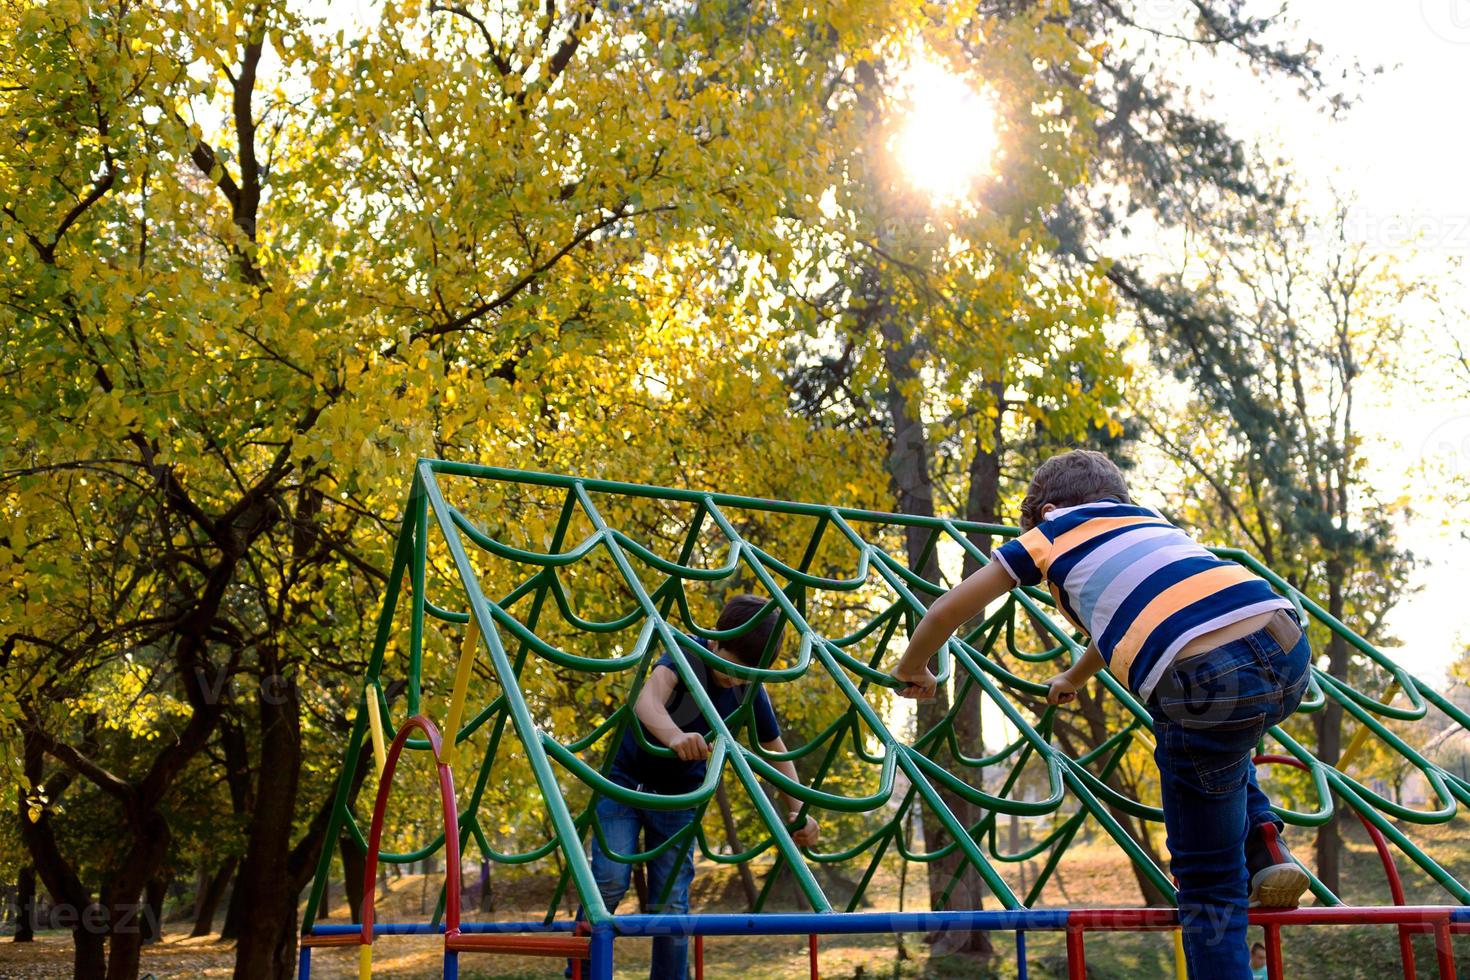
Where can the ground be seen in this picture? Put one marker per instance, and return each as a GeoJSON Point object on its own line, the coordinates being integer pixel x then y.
{"type": "Point", "coordinates": [1093, 874]}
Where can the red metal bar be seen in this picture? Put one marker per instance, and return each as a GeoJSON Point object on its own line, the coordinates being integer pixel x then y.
{"type": "Point", "coordinates": [451, 830]}
{"type": "Point", "coordinates": [811, 948]}
{"type": "Point", "coordinates": [1118, 920]}
{"type": "Point", "coordinates": [1444, 951]}
{"type": "Point", "coordinates": [698, 958]}
{"type": "Point", "coordinates": [340, 939]}
{"type": "Point", "coordinates": [1347, 915]}
{"type": "Point", "coordinates": [1406, 953]}
{"type": "Point", "coordinates": [1076, 954]}
{"type": "Point", "coordinates": [1274, 968]}
{"type": "Point", "coordinates": [560, 946]}
{"type": "Point", "coordinates": [1421, 918]}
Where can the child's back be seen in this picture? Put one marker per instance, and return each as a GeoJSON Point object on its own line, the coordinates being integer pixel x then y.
{"type": "Point", "coordinates": [1138, 585]}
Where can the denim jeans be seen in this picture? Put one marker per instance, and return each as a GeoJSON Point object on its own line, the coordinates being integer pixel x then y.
{"type": "Point", "coordinates": [1209, 712]}
{"type": "Point", "coordinates": [621, 825]}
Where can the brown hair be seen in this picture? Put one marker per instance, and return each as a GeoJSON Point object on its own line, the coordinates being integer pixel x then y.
{"type": "Point", "coordinates": [748, 646]}
{"type": "Point", "coordinates": [1071, 478]}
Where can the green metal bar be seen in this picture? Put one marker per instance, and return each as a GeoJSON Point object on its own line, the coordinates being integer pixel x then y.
{"type": "Point", "coordinates": [525, 726]}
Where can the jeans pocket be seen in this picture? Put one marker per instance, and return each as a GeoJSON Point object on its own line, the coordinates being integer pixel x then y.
{"type": "Point", "coordinates": [1221, 752]}
{"type": "Point", "coordinates": [1217, 688]}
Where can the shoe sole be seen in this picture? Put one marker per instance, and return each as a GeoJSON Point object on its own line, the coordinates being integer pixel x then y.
{"type": "Point", "coordinates": [1278, 887]}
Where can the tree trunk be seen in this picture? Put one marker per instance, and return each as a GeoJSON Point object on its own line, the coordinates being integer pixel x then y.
{"type": "Point", "coordinates": [25, 905]}
{"type": "Point", "coordinates": [908, 467]}
{"type": "Point", "coordinates": [201, 884]}
{"type": "Point", "coordinates": [89, 953]}
{"type": "Point", "coordinates": [487, 893]}
{"type": "Point", "coordinates": [982, 505]}
{"type": "Point", "coordinates": [732, 836]}
{"type": "Point", "coordinates": [70, 898]}
{"type": "Point", "coordinates": [1329, 733]}
{"type": "Point", "coordinates": [209, 898]}
{"type": "Point", "coordinates": [152, 910]}
{"type": "Point", "coordinates": [239, 779]}
{"type": "Point", "coordinates": [267, 943]}
{"type": "Point", "coordinates": [354, 866]}
{"type": "Point", "coordinates": [234, 915]}
{"type": "Point", "coordinates": [126, 912]}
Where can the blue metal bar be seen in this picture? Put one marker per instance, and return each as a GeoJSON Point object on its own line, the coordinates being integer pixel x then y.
{"type": "Point", "coordinates": [451, 965]}
{"type": "Point", "coordinates": [830, 923]}
{"type": "Point", "coordinates": [1021, 972]}
{"type": "Point", "coordinates": [437, 929]}
{"type": "Point", "coordinates": [764, 923]}
{"type": "Point", "coordinates": [303, 964]}
{"type": "Point", "coordinates": [601, 950]}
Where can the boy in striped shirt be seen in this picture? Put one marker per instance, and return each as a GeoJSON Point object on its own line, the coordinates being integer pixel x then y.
{"type": "Point", "coordinates": [1211, 650]}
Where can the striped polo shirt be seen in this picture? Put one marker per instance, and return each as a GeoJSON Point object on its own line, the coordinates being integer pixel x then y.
{"type": "Point", "coordinates": [1138, 585]}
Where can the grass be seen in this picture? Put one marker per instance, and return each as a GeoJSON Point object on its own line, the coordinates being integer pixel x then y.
{"type": "Point", "coordinates": [1093, 874]}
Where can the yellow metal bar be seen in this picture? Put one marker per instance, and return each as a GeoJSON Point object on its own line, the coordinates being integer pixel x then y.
{"type": "Point", "coordinates": [1361, 738]}
{"type": "Point", "coordinates": [365, 962]}
{"type": "Point", "coordinates": [375, 722]}
{"type": "Point", "coordinates": [461, 688]}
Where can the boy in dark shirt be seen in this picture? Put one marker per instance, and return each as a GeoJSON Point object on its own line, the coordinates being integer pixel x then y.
{"type": "Point", "coordinates": [669, 716]}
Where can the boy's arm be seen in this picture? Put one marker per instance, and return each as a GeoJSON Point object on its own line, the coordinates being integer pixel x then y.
{"type": "Point", "coordinates": [1062, 688]}
{"type": "Point", "coordinates": [807, 835]}
{"type": "Point", "coordinates": [689, 746]}
{"type": "Point", "coordinates": [949, 613]}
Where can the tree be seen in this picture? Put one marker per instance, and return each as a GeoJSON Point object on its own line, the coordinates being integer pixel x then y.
{"type": "Point", "coordinates": [237, 305]}
{"type": "Point", "coordinates": [941, 326]}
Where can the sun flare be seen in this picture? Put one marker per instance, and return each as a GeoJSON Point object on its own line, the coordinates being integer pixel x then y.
{"type": "Point", "coordinates": [948, 138]}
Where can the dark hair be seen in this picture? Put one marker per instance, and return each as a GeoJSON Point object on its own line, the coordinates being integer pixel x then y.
{"type": "Point", "coordinates": [748, 646]}
{"type": "Point", "coordinates": [1068, 479]}
{"type": "Point", "coordinates": [1260, 946]}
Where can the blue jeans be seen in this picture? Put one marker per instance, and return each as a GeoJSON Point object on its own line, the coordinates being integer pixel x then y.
{"type": "Point", "coordinates": [1209, 712]}
{"type": "Point", "coordinates": [621, 825]}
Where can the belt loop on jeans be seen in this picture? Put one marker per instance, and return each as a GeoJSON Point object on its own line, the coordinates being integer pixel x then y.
{"type": "Point", "coordinates": [1284, 629]}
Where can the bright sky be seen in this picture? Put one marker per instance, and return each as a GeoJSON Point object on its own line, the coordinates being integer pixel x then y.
{"type": "Point", "coordinates": [1402, 152]}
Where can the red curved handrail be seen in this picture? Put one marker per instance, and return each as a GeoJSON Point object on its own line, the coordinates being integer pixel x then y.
{"type": "Point", "coordinates": [451, 830]}
{"type": "Point", "coordinates": [1390, 870]}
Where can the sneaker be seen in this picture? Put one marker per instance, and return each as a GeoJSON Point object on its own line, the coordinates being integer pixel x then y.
{"type": "Point", "coordinates": [1276, 880]}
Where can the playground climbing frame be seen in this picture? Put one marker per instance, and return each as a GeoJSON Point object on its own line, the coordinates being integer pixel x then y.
{"type": "Point", "coordinates": [505, 632]}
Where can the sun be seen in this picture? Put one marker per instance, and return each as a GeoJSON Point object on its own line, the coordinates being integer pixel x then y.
{"type": "Point", "coordinates": [947, 139]}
